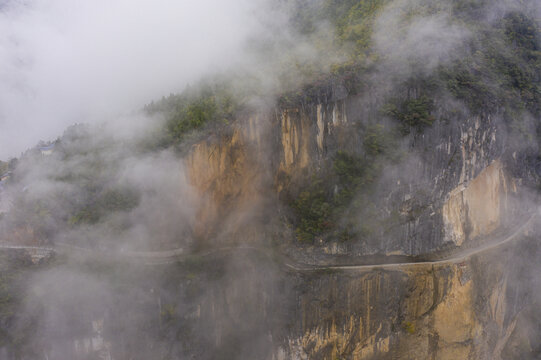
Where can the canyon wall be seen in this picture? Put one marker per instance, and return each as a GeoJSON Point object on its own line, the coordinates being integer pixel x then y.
{"type": "Point", "coordinates": [449, 185]}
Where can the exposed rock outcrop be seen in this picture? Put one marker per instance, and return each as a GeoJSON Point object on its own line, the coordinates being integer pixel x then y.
{"type": "Point", "coordinates": [451, 188]}
{"type": "Point", "coordinates": [476, 209]}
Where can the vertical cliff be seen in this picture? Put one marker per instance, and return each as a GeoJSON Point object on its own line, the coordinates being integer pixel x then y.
{"type": "Point", "coordinates": [456, 185]}
{"type": "Point", "coordinates": [476, 208]}
{"type": "Point", "coordinates": [230, 171]}
{"type": "Point", "coordinates": [455, 310]}
{"type": "Point", "coordinates": [445, 186]}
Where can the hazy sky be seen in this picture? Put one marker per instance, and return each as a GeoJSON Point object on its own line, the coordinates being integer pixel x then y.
{"type": "Point", "coordinates": [67, 61]}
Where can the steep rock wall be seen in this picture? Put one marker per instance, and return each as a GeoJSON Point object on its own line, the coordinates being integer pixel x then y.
{"type": "Point", "coordinates": [228, 171]}
{"type": "Point", "coordinates": [245, 305]}
{"type": "Point", "coordinates": [450, 311]}
{"type": "Point", "coordinates": [436, 195]}
{"type": "Point", "coordinates": [475, 209]}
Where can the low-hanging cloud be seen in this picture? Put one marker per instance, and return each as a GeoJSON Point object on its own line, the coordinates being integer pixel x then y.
{"type": "Point", "coordinates": [65, 61]}
{"type": "Point", "coordinates": [418, 42]}
{"type": "Point", "coordinates": [64, 196]}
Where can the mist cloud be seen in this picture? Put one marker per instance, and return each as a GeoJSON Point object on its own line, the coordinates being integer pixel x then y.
{"type": "Point", "coordinates": [66, 61]}
{"type": "Point", "coordinates": [417, 42]}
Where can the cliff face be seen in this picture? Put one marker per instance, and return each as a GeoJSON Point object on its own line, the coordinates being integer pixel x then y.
{"type": "Point", "coordinates": [420, 312]}
{"type": "Point", "coordinates": [243, 304]}
{"type": "Point", "coordinates": [454, 189]}
{"type": "Point", "coordinates": [462, 310]}
{"type": "Point", "coordinates": [252, 308]}
{"type": "Point", "coordinates": [465, 309]}
{"type": "Point", "coordinates": [381, 210]}
{"type": "Point", "coordinates": [476, 209]}
{"type": "Point", "coordinates": [228, 173]}
{"type": "Point", "coordinates": [449, 187]}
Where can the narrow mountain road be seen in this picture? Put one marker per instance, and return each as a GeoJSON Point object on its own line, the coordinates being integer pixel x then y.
{"type": "Point", "coordinates": [176, 255]}
{"type": "Point", "coordinates": [172, 256]}
{"type": "Point", "coordinates": [457, 257]}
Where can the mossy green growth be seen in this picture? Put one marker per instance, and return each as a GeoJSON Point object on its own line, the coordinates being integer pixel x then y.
{"type": "Point", "coordinates": [195, 108]}
{"type": "Point", "coordinates": [107, 202]}
{"type": "Point", "coordinates": [168, 312]}
{"type": "Point", "coordinates": [14, 272]}
{"type": "Point", "coordinates": [354, 22]}
{"type": "Point", "coordinates": [468, 86]}
{"type": "Point", "coordinates": [522, 68]}
{"type": "Point", "coordinates": [321, 206]}
{"type": "Point", "coordinates": [409, 327]}
{"type": "Point", "coordinates": [503, 70]}
{"type": "Point", "coordinates": [351, 171]}
{"type": "Point", "coordinates": [376, 140]}
{"type": "Point", "coordinates": [313, 208]}
{"type": "Point", "coordinates": [413, 113]}
{"type": "Point", "coordinates": [4, 167]}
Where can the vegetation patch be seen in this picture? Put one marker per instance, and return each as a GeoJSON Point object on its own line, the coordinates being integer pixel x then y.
{"type": "Point", "coordinates": [414, 113]}
{"type": "Point", "coordinates": [352, 22]}
{"type": "Point", "coordinates": [322, 206]}
{"type": "Point", "coordinates": [313, 208]}
{"type": "Point", "coordinates": [409, 327]}
{"type": "Point", "coordinates": [107, 202]}
{"type": "Point", "coordinates": [195, 108]}
{"type": "Point", "coordinates": [503, 70]}
{"type": "Point", "coordinates": [3, 167]}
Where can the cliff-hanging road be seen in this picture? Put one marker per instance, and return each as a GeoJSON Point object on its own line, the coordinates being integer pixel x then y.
{"type": "Point", "coordinates": [177, 255]}
{"type": "Point", "coordinates": [457, 257]}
